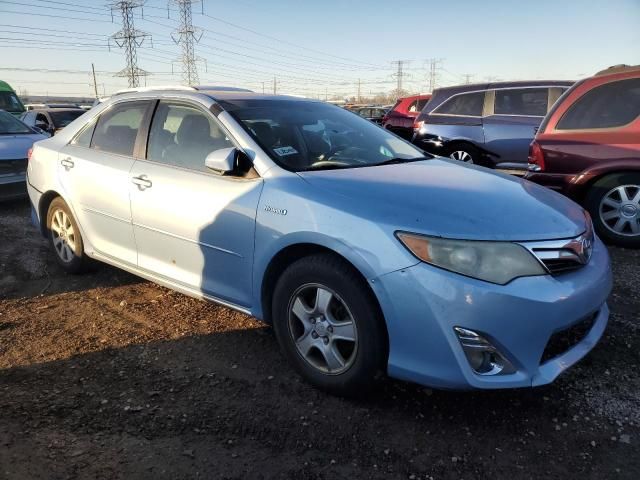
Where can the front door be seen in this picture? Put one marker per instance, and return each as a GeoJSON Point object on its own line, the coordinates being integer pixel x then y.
{"type": "Point", "coordinates": [192, 226]}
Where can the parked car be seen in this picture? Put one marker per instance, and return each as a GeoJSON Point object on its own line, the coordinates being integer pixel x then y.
{"type": "Point", "coordinates": [588, 147]}
{"type": "Point", "coordinates": [491, 124]}
{"type": "Point", "coordinates": [15, 141]}
{"type": "Point", "coordinates": [401, 117]}
{"type": "Point", "coordinates": [51, 120]}
{"type": "Point", "coordinates": [373, 114]}
{"type": "Point", "coordinates": [280, 207]}
{"type": "Point", "coordinates": [9, 101]}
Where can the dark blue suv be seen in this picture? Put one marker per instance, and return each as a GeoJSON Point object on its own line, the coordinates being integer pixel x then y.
{"type": "Point", "coordinates": [491, 124]}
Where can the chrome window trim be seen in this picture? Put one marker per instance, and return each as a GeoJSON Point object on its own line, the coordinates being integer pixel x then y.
{"type": "Point", "coordinates": [488, 111]}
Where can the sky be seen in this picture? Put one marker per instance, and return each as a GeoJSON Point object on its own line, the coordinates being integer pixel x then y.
{"type": "Point", "coordinates": [319, 48]}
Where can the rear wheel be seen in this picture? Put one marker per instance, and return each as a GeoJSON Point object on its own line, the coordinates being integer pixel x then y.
{"type": "Point", "coordinates": [65, 238]}
{"type": "Point", "coordinates": [328, 325]}
{"type": "Point", "coordinates": [614, 205]}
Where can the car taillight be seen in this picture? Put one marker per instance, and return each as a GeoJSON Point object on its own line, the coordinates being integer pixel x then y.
{"type": "Point", "coordinates": [417, 125]}
{"type": "Point", "coordinates": [29, 153]}
{"type": "Point", "coordinates": [536, 157]}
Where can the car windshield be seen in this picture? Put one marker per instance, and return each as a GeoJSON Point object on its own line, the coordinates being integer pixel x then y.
{"type": "Point", "coordinates": [308, 135]}
{"type": "Point", "coordinates": [9, 102]}
{"type": "Point", "coordinates": [63, 118]}
{"type": "Point", "coordinates": [9, 125]}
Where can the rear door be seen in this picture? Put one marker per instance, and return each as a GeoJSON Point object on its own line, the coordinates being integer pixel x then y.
{"type": "Point", "coordinates": [192, 226]}
{"type": "Point", "coordinates": [511, 125]}
{"type": "Point", "coordinates": [94, 171]}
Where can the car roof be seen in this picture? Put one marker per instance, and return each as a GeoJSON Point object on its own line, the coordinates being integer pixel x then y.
{"type": "Point", "coordinates": [615, 69]}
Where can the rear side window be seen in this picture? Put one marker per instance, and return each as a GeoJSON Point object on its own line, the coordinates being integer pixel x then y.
{"type": "Point", "coordinates": [117, 128]}
{"type": "Point", "coordinates": [468, 104]}
{"type": "Point", "coordinates": [611, 105]}
{"type": "Point", "coordinates": [417, 105]}
{"type": "Point", "coordinates": [83, 139]}
{"type": "Point", "coordinates": [522, 101]}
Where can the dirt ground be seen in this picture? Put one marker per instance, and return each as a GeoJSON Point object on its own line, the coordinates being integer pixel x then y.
{"type": "Point", "coordinates": [109, 376]}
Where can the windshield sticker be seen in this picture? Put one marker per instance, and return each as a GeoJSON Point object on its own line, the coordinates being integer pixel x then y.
{"type": "Point", "coordinates": [283, 151]}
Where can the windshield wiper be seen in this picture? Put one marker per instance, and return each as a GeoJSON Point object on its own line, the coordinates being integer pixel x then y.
{"type": "Point", "coordinates": [393, 161]}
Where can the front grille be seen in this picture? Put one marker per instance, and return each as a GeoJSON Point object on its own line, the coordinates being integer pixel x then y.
{"type": "Point", "coordinates": [12, 167]}
{"type": "Point", "coordinates": [561, 265]}
{"type": "Point", "coordinates": [561, 256]}
{"type": "Point", "coordinates": [563, 340]}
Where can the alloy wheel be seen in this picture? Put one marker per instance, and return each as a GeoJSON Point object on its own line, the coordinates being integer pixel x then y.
{"type": "Point", "coordinates": [620, 210]}
{"type": "Point", "coordinates": [461, 156]}
{"type": "Point", "coordinates": [323, 329]}
{"type": "Point", "coordinates": [63, 236]}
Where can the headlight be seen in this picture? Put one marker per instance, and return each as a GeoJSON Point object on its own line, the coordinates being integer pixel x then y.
{"type": "Point", "coordinates": [496, 262]}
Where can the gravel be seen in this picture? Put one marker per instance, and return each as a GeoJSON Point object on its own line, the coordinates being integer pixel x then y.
{"type": "Point", "coordinates": [109, 376]}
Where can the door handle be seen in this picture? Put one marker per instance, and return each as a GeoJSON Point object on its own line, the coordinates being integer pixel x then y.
{"type": "Point", "coordinates": [142, 182]}
{"type": "Point", "coordinates": [67, 163]}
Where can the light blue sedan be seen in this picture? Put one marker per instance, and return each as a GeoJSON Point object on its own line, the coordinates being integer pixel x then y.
{"type": "Point", "coordinates": [15, 141]}
{"type": "Point", "coordinates": [365, 255]}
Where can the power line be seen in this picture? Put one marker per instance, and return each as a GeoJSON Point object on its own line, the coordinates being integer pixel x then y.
{"type": "Point", "coordinates": [66, 17]}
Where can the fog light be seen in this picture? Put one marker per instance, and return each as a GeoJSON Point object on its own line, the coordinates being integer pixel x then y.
{"type": "Point", "coordinates": [483, 357]}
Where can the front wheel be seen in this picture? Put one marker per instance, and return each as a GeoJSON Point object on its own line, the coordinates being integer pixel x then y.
{"type": "Point", "coordinates": [614, 205]}
{"type": "Point", "coordinates": [328, 325]}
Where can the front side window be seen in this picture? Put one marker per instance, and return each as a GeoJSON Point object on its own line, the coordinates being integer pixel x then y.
{"type": "Point", "coordinates": [117, 128]}
{"type": "Point", "coordinates": [467, 104]}
{"type": "Point", "coordinates": [183, 136]}
{"type": "Point", "coordinates": [305, 135]}
{"type": "Point", "coordinates": [611, 105]}
{"type": "Point", "coordinates": [522, 101]}
{"type": "Point", "coordinates": [41, 119]}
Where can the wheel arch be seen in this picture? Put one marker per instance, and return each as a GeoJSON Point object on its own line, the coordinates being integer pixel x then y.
{"type": "Point", "coordinates": [43, 209]}
{"type": "Point", "coordinates": [582, 183]}
{"type": "Point", "coordinates": [291, 253]}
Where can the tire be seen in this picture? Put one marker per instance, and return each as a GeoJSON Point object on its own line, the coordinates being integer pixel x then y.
{"type": "Point", "coordinates": [306, 287]}
{"type": "Point", "coordinates": [65, 238]}
{"type": "Point", "coordinates": [464, 153]}
{"type": "Point", "coordinates": [614, 205]}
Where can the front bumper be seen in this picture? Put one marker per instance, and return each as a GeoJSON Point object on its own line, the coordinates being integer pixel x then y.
{"type": "Point", "coordinates": [422, 304]}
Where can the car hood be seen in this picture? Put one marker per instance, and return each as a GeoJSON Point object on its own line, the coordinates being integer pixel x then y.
{"type": "Point", "coordinates": [15, 146]}
{"type": "Point", "coordinates": [449, 199]}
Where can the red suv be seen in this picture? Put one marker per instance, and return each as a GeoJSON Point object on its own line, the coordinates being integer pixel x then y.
{"type": "Point", "coordinates": [588, 147]}
{"type": "Point", "coordinates": [401, 117]}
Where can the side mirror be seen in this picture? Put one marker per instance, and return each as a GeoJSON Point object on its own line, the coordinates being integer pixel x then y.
{"type": "Point", "coordinates": [222, 161]}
